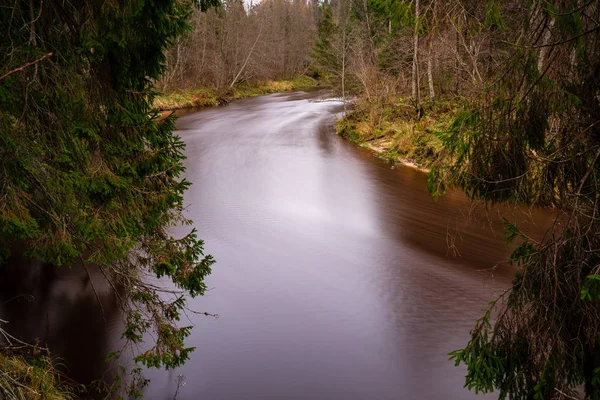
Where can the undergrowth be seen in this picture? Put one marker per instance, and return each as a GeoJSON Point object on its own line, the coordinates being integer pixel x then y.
{"type": "Point", "coordinates": [390, 128]}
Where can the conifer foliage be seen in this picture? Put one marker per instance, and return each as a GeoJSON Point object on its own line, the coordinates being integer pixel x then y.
{"type": "Point", "coordinates": [88, 172]}
{"type": "Point", "coordinates": [533, 136]}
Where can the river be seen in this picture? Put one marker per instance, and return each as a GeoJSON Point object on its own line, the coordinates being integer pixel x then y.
{"type": "Point", "coordinates": [336, 275]}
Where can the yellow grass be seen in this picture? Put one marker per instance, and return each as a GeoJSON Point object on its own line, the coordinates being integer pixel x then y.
{"type": "Point", "coordinates": [208, 97]}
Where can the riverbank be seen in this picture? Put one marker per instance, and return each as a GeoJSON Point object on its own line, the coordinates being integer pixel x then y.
{"type": "Point", "coordinates": [31, 377]}
{"type": "Point", "coordinates": [208, 97]}
{"type": "Point", "coordinates": [389, 129]}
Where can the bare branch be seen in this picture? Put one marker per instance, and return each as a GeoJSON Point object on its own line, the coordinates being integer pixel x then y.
{"type": "Point", "coordinates": [9, 73]}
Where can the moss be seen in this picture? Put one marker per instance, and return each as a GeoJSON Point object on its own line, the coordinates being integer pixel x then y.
{"type": "Point", "coordinates": [31, 377]}
{"type": "Point", "coordinates": [207, 97]}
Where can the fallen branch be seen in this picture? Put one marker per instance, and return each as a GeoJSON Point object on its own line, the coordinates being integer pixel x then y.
{"type": "Point", "coordinates": [9, 73]}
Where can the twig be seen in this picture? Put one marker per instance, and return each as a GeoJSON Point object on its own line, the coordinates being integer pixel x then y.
{"type": "Point", "coordinates": [117, 296]}
{"type": "Point", "coordinates": [566, 395]}
{"type": "Point", "coordinates": [180, 384]}
{"type": "Point", "coordinates": [14, 382]}
{"type": "Point", "coordinates": [9, 73]}
{"type": "Point", "coordinates": [587, 174]}
{"type": "Point", "coordinates": [94, 289]}
{"type": "Point", "coordinates": [571, 12]}
{"type": "Point", "coordinates": [555, 43]}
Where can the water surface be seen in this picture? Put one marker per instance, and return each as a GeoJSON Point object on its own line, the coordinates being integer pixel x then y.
{"type": "Point", "coordinates": [334, 277]}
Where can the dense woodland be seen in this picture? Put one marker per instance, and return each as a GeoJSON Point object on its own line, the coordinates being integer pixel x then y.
{"type": "Point", "coordinates": [499, 98]}
{"type": "Point", "coordinates": [375, 48]}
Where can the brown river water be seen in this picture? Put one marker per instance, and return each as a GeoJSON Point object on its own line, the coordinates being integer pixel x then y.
{"type": "Point", "coordinates": [337, 276]}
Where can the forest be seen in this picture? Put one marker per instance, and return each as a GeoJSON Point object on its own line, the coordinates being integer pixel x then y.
{"type": "Point", "coordinates": [499, 99]}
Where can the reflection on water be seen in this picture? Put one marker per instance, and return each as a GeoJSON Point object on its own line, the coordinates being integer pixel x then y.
{"type": "Point", "coordinates": [58, 309]}
{"type": "Point", "coordinates": [334, 277]}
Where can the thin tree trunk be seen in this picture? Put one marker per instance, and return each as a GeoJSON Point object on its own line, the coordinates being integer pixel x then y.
{"type": "Point", "coordinates": [345, 47]}
{"type": "Point", "coordinates": [32, 35]}
{"type": "Point", "coordinates": [246, 60]}
{"type": "Point", "coordinates": [457, 65]}
{"type": "Point", "coordinates": [32, 19]}
{"type": "Point", "coordinates": [221, 71]}
{"type": "Point", "coordinates": [344, 69]}
{"type": "Point", "coordinates": [204, 38]}
{"type": "Point", "coordinates": [432, 33]}
{"type": "Point", "coordinates": [430, 71]}
{"type": "Point", "coordinates": [344, 79]}
{"type": "Point", "coordinates": [177, 65]}
{"type": "Point", "coordinates": [545, 40]}
{"type": "Point", "coordinates": [415, 67]}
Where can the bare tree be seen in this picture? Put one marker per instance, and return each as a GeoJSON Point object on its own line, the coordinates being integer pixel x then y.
{"type": "Point", "coordinates": [235, 43]}
{"type": "Point", "coordinates": [416, 95]}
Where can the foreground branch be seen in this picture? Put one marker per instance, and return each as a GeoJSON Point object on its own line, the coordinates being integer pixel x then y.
{"type": "Point", "coordinates": [39, 60]}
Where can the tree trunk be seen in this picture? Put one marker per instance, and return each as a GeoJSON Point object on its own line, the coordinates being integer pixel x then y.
{"type": "Point", "coordinates": [247, 58]}
{"type": "Point", "coordinates": [32, 35]}
{"type": "Point", "coordinates": [344, 69]}
{"type": "Point", "coordinates": [457, 65]}
{"type": "Point", "coordinates": [545, 40]}
{"type": "Point", "coordinates": [344, 79]}
{"type": "Point", "coordinates": [415, 67]}
{"type": "Point", "coordinates": [430, 71]}
{"type": "Point", "coordinates": [345, 49]}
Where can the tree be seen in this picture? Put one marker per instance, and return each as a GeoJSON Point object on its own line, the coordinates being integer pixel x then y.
{"type": "Point", "coordinates": [534, 137]}
{"type": "Point", "coordinates": [89, 173]}
{"type": "Point", "coordinates": [430, 37]}
{"type": "Point", "coordinates": [416, 87]}
{"type": "Point", "coordinates": [332, 49]}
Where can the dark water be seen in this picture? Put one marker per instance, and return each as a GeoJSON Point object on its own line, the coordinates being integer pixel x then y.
{"type": "Point", "coordinates": [334, 277]}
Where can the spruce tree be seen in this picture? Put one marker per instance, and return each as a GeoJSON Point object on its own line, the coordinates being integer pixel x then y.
{"type": "Point", "coordinates": [533, 137]}
{"type": "Point", "coordinates": [89, 173]}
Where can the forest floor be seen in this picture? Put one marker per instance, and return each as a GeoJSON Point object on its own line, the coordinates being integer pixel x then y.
{"type": "Point", "coordinates": [208, 97]}
{"type": "Point", "coordinates": [390, 129]}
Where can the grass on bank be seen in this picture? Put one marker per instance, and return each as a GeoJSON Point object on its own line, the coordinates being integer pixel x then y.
{"type": "Point", "coordinates": [24, 377]}
{"type": "Point", "coordinates": [207, 97]}
{"type": "Point", "coordinates": [390, 128]}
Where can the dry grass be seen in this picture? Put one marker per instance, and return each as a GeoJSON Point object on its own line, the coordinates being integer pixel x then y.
{"type": "Point", "coordinates": [389, 128]}
{"type": "Point", "coordinates": [31, 378]}
{"type": "Point", "coordinates": [196, 98]}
